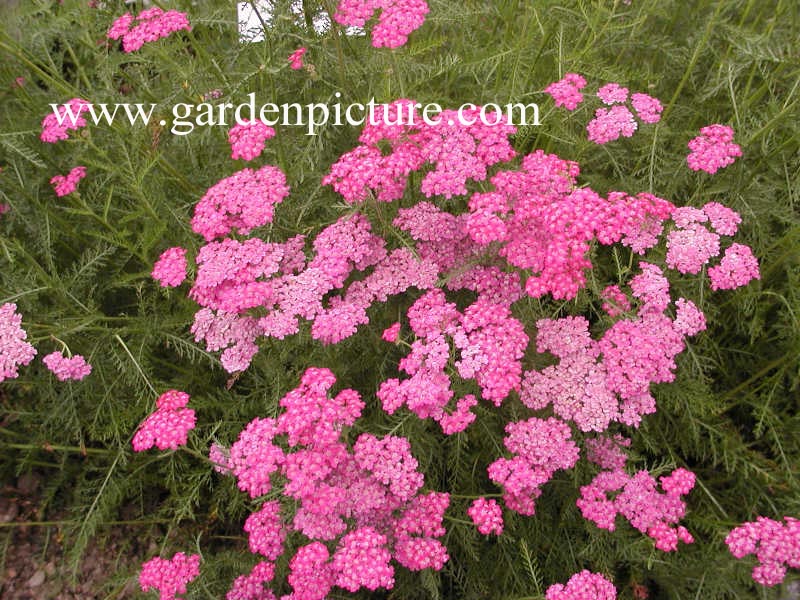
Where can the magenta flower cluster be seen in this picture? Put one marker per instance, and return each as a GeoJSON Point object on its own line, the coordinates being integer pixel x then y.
{"type": "Point", "coordinates": [296, 59]}
{"type": "Point", "coordinates": [567, 91]}
{"type": "Point", "coordinates": [148, 26]}
{"type": "Point", "coordinates": [169, 577]}
{"type": "Point", "coordinates": [55, 127]}
{"type": "Point", "coordinates": [248, 139]}
{"type": "Point", "coordinates": [74, 368]}
{"type": "Point", "coordinates": [776, 546]}
{"type": "Point", "coordinates": [168, 426]}
{"type": "Point", "coordinates": [638, 500]}
{"type": "Point", "coordinates": [397, 19]}
{"type": "Point", "coordinates": [611, 123]}
{"type": "Point", "coordinates": [14, 350]}
{"type": "Point", "coordinates": [583, 586]}
{"type": "Point", "coordinates": [66, 184]}
{"type": "Point", "coordinates": [366, 497]}
{"type": "Point", "coordinates": [170, 268]}
{"type": "Point", "coordinates": [713, 149]}
{"type": "Point", "coordinates": [487, 516]}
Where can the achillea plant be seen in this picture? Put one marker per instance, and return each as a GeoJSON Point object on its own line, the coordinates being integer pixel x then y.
{"type": "Point", "coordinates": [410, 350]}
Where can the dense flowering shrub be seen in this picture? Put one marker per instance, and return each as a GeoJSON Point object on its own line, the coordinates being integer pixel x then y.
{"type": "Point", "coordinates": [468, 284]}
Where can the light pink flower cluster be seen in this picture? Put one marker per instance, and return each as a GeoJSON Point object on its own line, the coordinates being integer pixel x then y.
{"type": "Point", "coordinates": [170, 268]}
{"type": "Point", "coordinates": [776, 546]}
{"type": "Point", "coordinates": [600, 381]}
{"type": "Point", "coordinates": [296, 59]}
{"type": "Point", "coordinates": [398, 18]}
{"type": "Point", "coordinates": [567, 91]}
{"type": "Point", "coordinates": [66, 184]}
{"type": "Point", "coordinates": [75, 368]}
{"type": "Point", "coordinates": [248, 139]}
{"type": "Point", "coordinates": [168, 426]}
{"type": "Point", "coordinates": [490, 341]}
{"type": "Point", "coordinates": [368, 498]}
{"type": "Point", "coordinates": [487, 516]}
{"type": "Point", "coordinates": [148, 26]}
{"type": "Point", "coordinates": [169, 577]}
{"type": "Point", "coordinates": [583, 586]}
{"type": "Point", "coordinates": [737, 268]}
{"type": "Point", "coordinates": [539, 448]}
{"type": "Point", "coordinates": [457, 152]}
{"type": "Point", "coordinates": [637, 500]}
{"type": "Point", "coordinates": [14, 350]}
{"type": "Point", "coordinates": [243, 201]}
{"type": "Point", "coordinates": [55, 127]}
{"type": "Point", "coordinates": [391, 333]}
{"type": "Point", "coordinates": [713, 149]}
{"type": "Point", "coordinates": [611, 123]}
{"type": "Point", "coordinates": [691, 245]}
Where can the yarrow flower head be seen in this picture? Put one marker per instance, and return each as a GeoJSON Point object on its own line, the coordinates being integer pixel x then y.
{"type": "Point", "coordinates": [296, 59]}
{"type": "Point", "coordinates": [14, 350]}
{"type": "Point", "coordinates": [248, 139]}
{"type": "Point", "coordinates": [170, 268]}
{"type": "Point", "coordinates": [583, 586]}
{"type": "Point", "coordinates": [613, 93]}
{"type": "Point", "coordinates": [567, 91]}
{"type": "Point", "coordinates": [148, 26]}
{"type": "Point", "coordinates": [775, 544]}
{"type": "Point", "coordinates": [168, 426]}
{"type": "Point", "coordinates": [647, 108]}
{"type": "Point", "coordinates": [65, 118]}
{"type": "Point", "coordinates": [487, 516]}
{"type": "Point", "coordinates": [75, 368]}
{"type": "Point", "coordinates": [398, 18]}
{"type": "Point", "coordinates": [611, 123]}
{"type": "Point", "coordinates": [66, 184]}
{"type": "Point", "coordinates": [737, 268]}
{"type": "Point", "coordinates": [169, 577]}
{"type": "Point", "coordinates": [713, 149]}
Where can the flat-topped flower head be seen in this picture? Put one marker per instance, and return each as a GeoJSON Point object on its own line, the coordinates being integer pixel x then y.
{"type": "Point", "coordinates": [170, 268]}
{"type": "Point", "coordinates": [397, 19]}
{"type": "Point", "coordinates": [567, 91]}
{"type": "Point", "coordinates": [168, 426]}
{"type": "Point", "coordinates": [74, 368]}
{"type": "Point", "coordinates": [169, 577]}
{"type": "Point", "coordinates": [583, 586]}
{"type": "Point", "coordinates": [66, 184]}
{"type": "Point", "coordinates": [14, 350]}
{"type": "Point", "coordinates": [148, 26]}
{"type": "Point", "coordinates": [67, 117]}
{"type": "Point", "coordinates": [248, 139]}
{"type": "Point", "coordinates": [713, 149]}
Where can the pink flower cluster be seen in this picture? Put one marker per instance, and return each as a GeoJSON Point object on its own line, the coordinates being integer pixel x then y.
{"type": "Point", "coordinates": [251, 586]}
{"type": "Point", "coordinates": [169, 577]}
{"type": "Point", "coordinates": [600, 381]}
{"type": "Point", "coordinates": [713, 149]}
{"type": "Point", "coordinates": [487, 516]}
{"type": "Point", "coordinates": [75, 368]}
{"type": "Point", "coordinates": [583, 586]}
{"type": "Point", "coordinates": [168, 426]}
{"type": "Point", "coordinates": [611, 123]}
{"type": "Point", "coordinates": [457, 152]}
{"type": "Point", "coordinates": [14, 350]}
{"type": "Point", "coordinates": [490, 341]}
{"type": "Point", "coordinates": [243, 201]}
{"type": "Point", "coordinates": [691, 245]}
{"type": "Point", "coordinates": [567, 91]}
{"type": "Point", "coordinates": [55, 126]}
{"type": "Point", "coordinates": [66, 184]}
{"type": "Point", "coordinates": [170, 268]}
{"type": "Point", "coordinates": [398, 18]}
{"type": "Point", "coordinates": [607, 452]}
{"type": "Point", "coordinates": [148, 26]}
{"type": "Point", "coordinates": [648, 510]}
{"type": "Point", "coordinates": [296, 59]}
{"type": "Point", "coordinates": [776, 546]}
{"type": "Point", "coordinates": [248, 139]}
{"type": "Point", "coordinates": [539, 448]}
{"type": "Point", "coordinates": [367, 498]}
